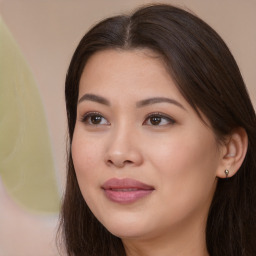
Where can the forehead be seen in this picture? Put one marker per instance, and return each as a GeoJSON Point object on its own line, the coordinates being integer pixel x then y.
{"type": "Point", "coordinates": [127, 76]}
{"type": "Point", "coordinates": [122, 59]}
{"type": "Point", "coordinates": [125, 70]}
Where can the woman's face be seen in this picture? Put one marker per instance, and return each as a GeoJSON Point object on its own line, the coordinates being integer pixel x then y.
{"type": "Point", "coordinates": [145, 162]}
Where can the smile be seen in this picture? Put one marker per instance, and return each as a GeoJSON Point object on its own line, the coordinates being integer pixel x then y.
{"type": "Point", "coordinates": [126, 191]}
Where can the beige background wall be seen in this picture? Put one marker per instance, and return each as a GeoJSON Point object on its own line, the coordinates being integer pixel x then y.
{"type": "Point", "coordinates": [47, 32]}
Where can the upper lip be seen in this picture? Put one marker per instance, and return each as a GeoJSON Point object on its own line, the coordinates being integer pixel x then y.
{"type": "Point", "coordinates": [126, 183]}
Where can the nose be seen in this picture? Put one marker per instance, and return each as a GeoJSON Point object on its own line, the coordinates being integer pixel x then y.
{"type": "Point", "coordinates": [123, 149]}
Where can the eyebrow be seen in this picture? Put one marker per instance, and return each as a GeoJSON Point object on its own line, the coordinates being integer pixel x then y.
{"type": "Point", "coordinates": [139, 104]}
{"type": "Point", "coordinates": [95, 98]}
{"type": "Point", "coordinates": [155, 100]}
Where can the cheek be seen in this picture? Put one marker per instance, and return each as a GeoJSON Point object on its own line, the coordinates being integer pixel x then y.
{"type": "Point", "coordinates": [86, 156]}
{"type": "Point", "coordinates": [186, 168]}
{"type": "Point", "coordinates": [83, 155]}
{"type": "Point", "coordinates": [184, 154]}
{"type": "Point", "coordinates": [85, 150]}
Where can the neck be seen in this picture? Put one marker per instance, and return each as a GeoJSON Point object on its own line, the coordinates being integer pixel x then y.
{"type": "Point", "coordinates": [182, 241]}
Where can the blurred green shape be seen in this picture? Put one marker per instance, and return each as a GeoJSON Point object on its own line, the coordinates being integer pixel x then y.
{"type": "Point", "coordinates": [26, 162]}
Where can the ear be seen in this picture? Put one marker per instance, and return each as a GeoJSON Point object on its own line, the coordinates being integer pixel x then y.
{"type": "Point", "coordinates": [233, 153]}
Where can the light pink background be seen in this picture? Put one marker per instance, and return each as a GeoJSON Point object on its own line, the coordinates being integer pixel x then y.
{"type": "Point", "coordinates": [48, 31]}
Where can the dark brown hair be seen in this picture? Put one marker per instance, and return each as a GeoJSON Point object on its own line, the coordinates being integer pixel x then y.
{"type": "Point", "coordinates": [207, 75]}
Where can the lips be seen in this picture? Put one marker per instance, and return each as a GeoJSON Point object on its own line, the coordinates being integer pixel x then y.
{"type": "Point", "coordinates": [126, 190]}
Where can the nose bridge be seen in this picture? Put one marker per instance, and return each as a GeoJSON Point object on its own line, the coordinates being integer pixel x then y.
{"type": "Point", "coordinates": [123, 147]}
{"type": "Point", "coordinates": [122, 139]}
{"type": "Point", "coordinates": [122, 134]}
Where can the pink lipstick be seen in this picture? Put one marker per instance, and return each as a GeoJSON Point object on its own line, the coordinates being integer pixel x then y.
{"type": "Point", "coordinates": [126, 191]}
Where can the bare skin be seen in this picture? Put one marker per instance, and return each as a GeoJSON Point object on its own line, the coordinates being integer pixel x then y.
{"type": "Point", "coordinates": [133, 123]}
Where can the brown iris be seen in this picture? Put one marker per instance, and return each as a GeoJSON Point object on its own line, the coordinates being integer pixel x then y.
{"type": "Point", "coordinates": [96, 119]}
{"type": "Point", "coordinates": [155, 120]}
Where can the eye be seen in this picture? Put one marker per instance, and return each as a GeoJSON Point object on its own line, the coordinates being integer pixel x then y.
{"type": "Point", "coordinates": [94, 118]}
{"type": "Point", "coordinates": [158, 119]}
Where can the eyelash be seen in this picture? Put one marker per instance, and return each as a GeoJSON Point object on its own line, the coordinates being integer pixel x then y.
{"type": "Point", "coordinates": [169, 121]}
{"type": "Point", "coordinates": [167, 118]}
{"type": "Point", "coordinates": [88, 115]}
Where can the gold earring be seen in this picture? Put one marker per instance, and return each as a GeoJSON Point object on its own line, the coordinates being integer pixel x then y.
{"type": "Point", "coordinates": [227, 173]}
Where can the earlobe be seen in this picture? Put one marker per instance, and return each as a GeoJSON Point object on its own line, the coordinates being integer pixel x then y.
{"type": "Point", "coordinates": [233, 153]}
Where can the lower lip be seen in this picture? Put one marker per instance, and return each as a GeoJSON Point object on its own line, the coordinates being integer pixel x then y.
{"type": "Point", "coordinates": [125, 197]}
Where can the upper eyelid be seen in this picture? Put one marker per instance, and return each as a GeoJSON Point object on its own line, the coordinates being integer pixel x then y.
{"type": "Point", "coordinates": [91, 113]}
{"type": "Point", "coordinates": [159, 114]}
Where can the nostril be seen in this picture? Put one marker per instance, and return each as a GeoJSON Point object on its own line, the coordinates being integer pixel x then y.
{"type": "Point", "coordinates": [110, 162]}
{"type": "Point", "coordinates": [127, 162]}
{"type": "Point", "coordinates": [119, 163]}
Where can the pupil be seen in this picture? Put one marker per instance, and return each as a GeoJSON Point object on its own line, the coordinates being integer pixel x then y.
{"type": "Point", "coordinates": [155, 120]}
{"type": "Point", "coordinates": [96, 119]}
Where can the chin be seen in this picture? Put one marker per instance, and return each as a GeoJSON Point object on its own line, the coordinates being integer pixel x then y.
{"type": "Point", "coordinates": [127, 228]}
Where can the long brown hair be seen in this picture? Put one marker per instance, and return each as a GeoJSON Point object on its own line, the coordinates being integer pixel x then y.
{"type": "Point", "coordinates": [208, 77]}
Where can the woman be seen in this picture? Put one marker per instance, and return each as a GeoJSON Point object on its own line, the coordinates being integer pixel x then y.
{"type": "Point", "coordinates": [162, 141]}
